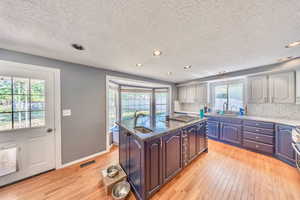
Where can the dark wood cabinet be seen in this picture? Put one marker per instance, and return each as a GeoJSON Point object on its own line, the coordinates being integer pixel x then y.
{"type": "Point", "coordinates": [231, 133]}
{"type": "Point", "coordinates": [201, 138]}
{"type": "Point", "coordinates": [283, 149]}
{"type": "Point", "coordinates": [171, 155]}
{"type": "Point", "coordinates": [191, 133]}
{"type": "Point", "coordinates": [154, 165]}
{"type": "Point", "coordinates": [135, 163]}
{"type": "Point", "coordinates": [213, 129]}
{"type": "Point", "coordinates": [123, 148]}
{"type": "Point", "coordinates": [151, 163]}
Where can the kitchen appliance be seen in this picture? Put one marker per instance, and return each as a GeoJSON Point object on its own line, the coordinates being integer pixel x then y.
{"type": "Point", "coordinates": [296, 145]}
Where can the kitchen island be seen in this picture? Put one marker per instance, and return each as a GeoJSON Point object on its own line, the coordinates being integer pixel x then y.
{"type": "Point", "coordinates": [152, 159]}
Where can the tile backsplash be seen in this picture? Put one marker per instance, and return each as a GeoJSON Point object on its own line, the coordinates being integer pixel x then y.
{"type": "Point", "coordinates": [287, 111]}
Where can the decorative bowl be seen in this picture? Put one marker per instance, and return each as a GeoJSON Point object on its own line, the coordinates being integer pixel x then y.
{"type": "Point", "coordinates": [112, 171]}
{"type": "Point", "coordinates": [120, 190]}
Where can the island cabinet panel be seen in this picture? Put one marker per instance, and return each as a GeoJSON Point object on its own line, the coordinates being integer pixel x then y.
{"type": "Point", "coordinates": [191, 133]}
{"type": "Point", "coordinates": [153, 166]}
{"type": "Point", "coordinates": [231, 133]}
{"type": "Point", "coordinates": [135, 164]}
{"type": "Point", "coordinates": [283, 149]}
{"type": "Point", "coordinates": [171, 155]}
{"type": "Point", "coordinates": [213, 129]}
{"type": "Point", "coordinates": [201, 138]}
{"type": "Point", "coordinates": [123, 148]}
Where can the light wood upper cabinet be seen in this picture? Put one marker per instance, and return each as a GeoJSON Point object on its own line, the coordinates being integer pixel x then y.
{"type": "Point", "coordinates": [298, 86]}
{"type": "Point", "coordinates": [257, 89]}
{"type": "Point", "coordinates": [282, 87]}
{"type": "Point", "coordinates": [193, 94]}
{"type": "Point", "coordinates": [201, 93]}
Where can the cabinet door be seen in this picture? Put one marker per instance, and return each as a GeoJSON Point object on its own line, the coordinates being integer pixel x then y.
{"type": "Point", "coordinates": [192, 142]}
{"type": "Point", "coordinates": [171, 155]}
{"type": "Point", "coordinates": [182, 93]}
{"type": "Point", "coordinates": [282, 87]}
{"type": "Point", "coordinates": [153, 165]}
{"type": "Point", "coordinates": [213, 130]}
{"type": "Point", "coordinates": [257, 89]}
{"type": "Point", "coordinates": [201, 137]}
{"type": "Point", "coordinates": [135, 164]}
{"type": "Point", "coordinates": [283, 148]}
{"type": "Point", "coordinates": [231, 133]}
{"type": "Point", "coordinates": [201, 94]}
{"type": "Point", "coordinates": [123, 149]}
{"type": "Point", "coordinates": [298, 86]}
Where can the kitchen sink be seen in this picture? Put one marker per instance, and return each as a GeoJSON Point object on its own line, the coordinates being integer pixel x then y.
{"type": "Point", "coordinates": [143, 129]}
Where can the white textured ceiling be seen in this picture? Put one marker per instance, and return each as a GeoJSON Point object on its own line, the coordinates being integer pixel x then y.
{"type": "Point", "coordinates": [210, 35]}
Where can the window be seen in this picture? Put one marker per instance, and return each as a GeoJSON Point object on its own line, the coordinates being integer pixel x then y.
{"type": "Point", "coordinates": [136, 99]}
{"type": "Point", "coordinates": [113, 104]}
{"type": "Point", "coordinates": [22, 103]}
{"type": "Point", "coordinates": [228, 95]}
{"type": "Point", "coordinates": [161, 104]}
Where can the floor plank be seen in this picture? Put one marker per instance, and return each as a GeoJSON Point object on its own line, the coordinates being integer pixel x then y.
{"type": "Point", "coordinates": [225, 172]}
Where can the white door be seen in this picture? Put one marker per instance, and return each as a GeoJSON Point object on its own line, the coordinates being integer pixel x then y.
{"type": "Point", "coordinates": [27, 120]}
{"type": "Point", "coordinates": [282, 87]}
{"type": "Point", "coordinates": [257, 88]}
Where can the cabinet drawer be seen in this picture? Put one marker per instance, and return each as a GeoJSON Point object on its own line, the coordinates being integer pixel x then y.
{"type": "Point", "coordinates": [259, 137]}
{"type": "Point", "coordinates": [257, 146]}
{"type": "Point", "coordinates": [231, 120]}
{"type": "Point", "coordinates": [259, 124]}
{"type": "Point", "coordinates": [259, 130]}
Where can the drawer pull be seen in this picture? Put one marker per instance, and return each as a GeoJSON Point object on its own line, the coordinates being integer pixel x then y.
{"type": "Point", "coordinates": [257, 124]}
{"type": "Point", "coordinates": [256, 146]}
{"type": "Point", "coordinates": [256, 137]}
{"type": "Point", "coordinates": [257, 130]}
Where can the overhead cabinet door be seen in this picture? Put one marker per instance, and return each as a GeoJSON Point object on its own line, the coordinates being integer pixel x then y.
{"type": "Point", "coordinates": [257, 89]}
{"type": "Point", "coordinates": [282, 87]}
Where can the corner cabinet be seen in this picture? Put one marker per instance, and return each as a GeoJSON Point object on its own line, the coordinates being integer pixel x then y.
{"type": "Point", "coordinates": [257, 89]}
{"type": "Point", "coordinates": [283, 149]}
{"type": "Point", "coordinates": [282, 87]}
{"type": "Point", "coordinates": [298, 86]}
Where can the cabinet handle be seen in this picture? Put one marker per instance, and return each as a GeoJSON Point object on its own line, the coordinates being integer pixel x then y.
{"type": "Point", "coordinates": [256, 146]}
{"type": "Point", "coordinates": [256, 137]}
{"type": "Point", "coordinates": [257, 130]}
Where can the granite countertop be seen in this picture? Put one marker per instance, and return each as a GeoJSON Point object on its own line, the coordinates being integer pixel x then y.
{"type": "Point", "coordinates": [256, 118]}
{"type": "Point", "coordinates": [159, 129]}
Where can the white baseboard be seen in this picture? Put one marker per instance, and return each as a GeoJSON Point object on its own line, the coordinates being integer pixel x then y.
{"type": "Point", "coordinates": [83, 159]}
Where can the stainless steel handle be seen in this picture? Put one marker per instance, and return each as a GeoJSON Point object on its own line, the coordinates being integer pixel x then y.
{"type": "Point", "coordinates": [256, 146]}
{"type": "Point", "coordinates": [256, 137]}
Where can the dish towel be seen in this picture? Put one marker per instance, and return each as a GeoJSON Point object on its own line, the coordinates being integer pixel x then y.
{"type": "Point", "coordinates": [8, 161]}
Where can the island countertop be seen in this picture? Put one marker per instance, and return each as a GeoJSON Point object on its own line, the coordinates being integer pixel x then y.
{"type": "Point", "coordinates": [159, 129]}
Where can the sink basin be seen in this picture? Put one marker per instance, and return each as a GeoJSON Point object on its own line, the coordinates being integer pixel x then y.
{"type": "Point", "coordinates": [143, 129]}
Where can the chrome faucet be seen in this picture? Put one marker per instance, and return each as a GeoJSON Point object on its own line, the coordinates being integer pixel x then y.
{"type": "Point", "coordinates": [136, 116]}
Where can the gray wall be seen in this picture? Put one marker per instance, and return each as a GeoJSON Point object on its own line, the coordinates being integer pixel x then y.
{"type": "Point", "coordinates": [83, 91]}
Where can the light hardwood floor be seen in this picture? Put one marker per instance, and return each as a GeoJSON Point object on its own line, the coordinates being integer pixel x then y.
{"type": "Point", "coordinates": [225, 172]}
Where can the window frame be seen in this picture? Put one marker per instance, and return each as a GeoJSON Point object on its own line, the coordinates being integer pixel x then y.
{"type": "Point", "coordinates": [227, 83]}
{"type": "Point", "coordinates": [29, 110]}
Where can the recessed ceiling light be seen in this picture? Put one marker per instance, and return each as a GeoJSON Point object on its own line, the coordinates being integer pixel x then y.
{"type": "Point", "coordinates": [293, 44]}
{"type": "Point", "coordinates": [139, 65]}
{"type": "Point", "coordinates": [169, 73]}
{"type": "Point", "coordinates": [156, 52]}
{"type": "Point", "coordinates": [285, 59]}
{"type": "Point", "coordinates": [187, 67]}
{"type": "Point", "coordinates": [78, 47]}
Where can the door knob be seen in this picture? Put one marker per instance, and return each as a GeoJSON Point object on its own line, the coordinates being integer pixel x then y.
{"type": "Point", "coordinates": [49, 130]}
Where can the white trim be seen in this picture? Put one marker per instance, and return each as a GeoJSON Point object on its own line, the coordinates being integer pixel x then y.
{"type": "Point", "coordinates": [57, 103]}
{"type": "Point", "coordinates": [84, 159]}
